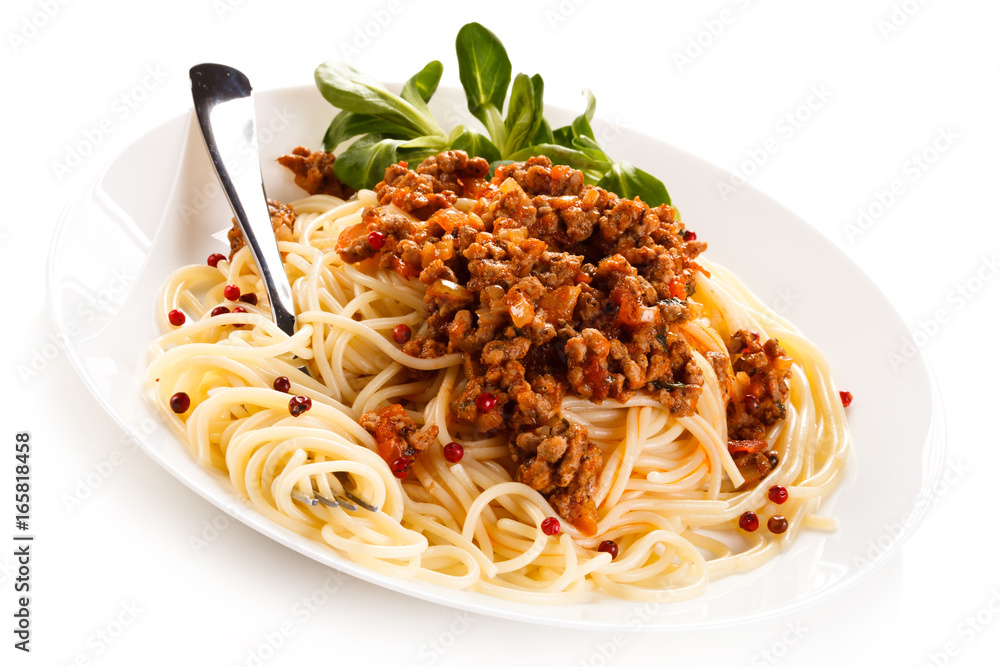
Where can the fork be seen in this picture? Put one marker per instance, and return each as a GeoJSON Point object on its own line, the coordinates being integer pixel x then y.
{"type": "Point", "coordinates": [223, 104]}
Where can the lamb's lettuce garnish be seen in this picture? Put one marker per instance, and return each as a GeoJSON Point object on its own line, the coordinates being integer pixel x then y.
{"type": "Point", "coordinates": [388, 128]}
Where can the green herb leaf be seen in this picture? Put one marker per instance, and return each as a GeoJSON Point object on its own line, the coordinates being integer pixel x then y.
{"type": "Point", "coordinates": [420, 87]}
{"type": "Point", "coordinates": [393, 128]}
{"type": "Point", "coordinates": [346, 125]}
{"type": "Point", "coordinates": [484, 69]}
{"type": "Point", "coordinates": [563, 136]}
{"type": "Point", "coordinates": [544, 134]}
{"type": "Point", "coordinates": [628, 181]}
{"type": "Point", "coordinates": [581, 124]}
{"type": "Point", "coordinates": [524, 112]}
{"type": "Point", "coordinates": [432, 142]}
{"type": "Point", "coordinates": [349, 89]}
{"type": "Point", "coordinates": [475, 144]}
{"type": "Point", "coordinates": [364, 163]}
{"type": "Point", "coordinates": [590, 147]}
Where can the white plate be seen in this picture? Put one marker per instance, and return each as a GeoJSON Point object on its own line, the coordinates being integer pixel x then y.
{"type": "Point", "coordinates": [157, 206]}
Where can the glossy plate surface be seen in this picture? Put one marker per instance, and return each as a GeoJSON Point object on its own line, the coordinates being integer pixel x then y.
{"type": "Point", "coordinates": [158, 206]}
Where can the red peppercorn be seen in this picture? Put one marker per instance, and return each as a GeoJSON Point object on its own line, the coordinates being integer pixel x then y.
{"type": "Point", "coordinates": [777, 524]}
{"type": "Point", "coordinates": [609, 547]}
{"type": "Point", "coordinates": [249, 297]}
{"type": "Point", "coordinates": [376, 240]}
{"type": "Point", "coordinates": [486, 401]}
{"type": "Point", "coordinates": [453, 452]}
{"type": "Point", "coordinates": [219, 310]}
{"type": "Point", "coordinates": [180, 402]}
{"type": "Point", "coordinates": [777, 494]}
{"type": "Point", "coordinates": [215, 258]}
{"type": "Point", "coordinates": [400, 467]}
{"type": "Point", "coordinates": [550, 526]}
{"type": "Point", "coordinates": [749, 522]}
{"type": "Point", "coordinates": [690, 236]}
{"type": "Point", "coordinates": [239, 309]}
{"type": "Point", "coordinates": [846, 397]}
{"type": "Point", "coordinates": [231, 292]}
{"type": "Point", "coordinates": [299, 404]}
{"type": "Point", "coordinates": [401, 333]}
{"type": "Point", "coordinates": [282, 384]}
{"type": "Point", "coordinates": [176, 317]}
{"type": "Point", "coordinates": [750, 402]}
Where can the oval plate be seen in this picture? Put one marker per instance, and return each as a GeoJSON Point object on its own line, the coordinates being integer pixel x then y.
{"type": "Point", "coordinates": [158, 206]}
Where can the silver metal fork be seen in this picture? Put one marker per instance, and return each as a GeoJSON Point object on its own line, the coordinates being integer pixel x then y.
{"type": "Point", "coordinates": [348, 501]}
{"type": "Point", "coordinates": [223, 103]}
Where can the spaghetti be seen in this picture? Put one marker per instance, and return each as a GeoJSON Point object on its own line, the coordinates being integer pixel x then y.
{"type": "Point", "coordinates": [671, 500]}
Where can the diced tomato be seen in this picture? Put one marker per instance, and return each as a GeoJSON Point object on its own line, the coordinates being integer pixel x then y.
{"type": "Point", "coordinates": [390, 445]}
{"type": "Point", "coordinates": [351, 234]}
{"type": "Point", "coordinates": [558, 171]}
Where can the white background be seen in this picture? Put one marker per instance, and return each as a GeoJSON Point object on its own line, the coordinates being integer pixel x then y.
{"type": "Point", "coordinates": [885, 78]}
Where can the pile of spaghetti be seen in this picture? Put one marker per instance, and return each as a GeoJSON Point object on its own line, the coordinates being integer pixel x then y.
{"type": "Point", "coordinates": [543, 387]}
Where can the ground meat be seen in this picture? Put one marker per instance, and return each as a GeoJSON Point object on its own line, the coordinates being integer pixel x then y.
{"type": "Point", "coordinates": [314, 172]}
{"type": "Point", "coordinates": [537, 176]}
{"type": "Point", "coordinates": [455, 171]}
{"type": "Point", "coordinates": [396, 433]}
{"type": "Point", "coordinates": [436, 183]}
{"type": "Point", "coordinates": [587, 365]}
{"type": "Point", "coordinates": [561, 464]}
{"type": "Point", "coordinates": [550, 287]}
{"type": "Point", "coordinates": [760, 379]}
{"type": "Point", "coordinates": [282, 220]}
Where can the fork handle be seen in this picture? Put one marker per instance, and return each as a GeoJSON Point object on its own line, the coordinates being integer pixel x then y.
{"type": "Point", "coordinates": [223, 103]}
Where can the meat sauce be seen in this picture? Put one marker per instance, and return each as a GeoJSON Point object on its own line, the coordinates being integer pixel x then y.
{"type": "Point", "coordinates": [550, 287]}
